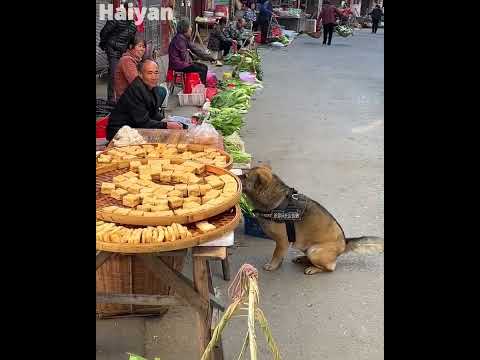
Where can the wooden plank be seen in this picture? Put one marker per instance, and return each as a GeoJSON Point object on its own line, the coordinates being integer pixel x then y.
{"type": "Point", "coordinates": [201, 277]}
{"type": "Point", "coordinates": [214, 252]}
{"type": "Point", "coordinates": [182, 252]}
{"type": "Point", "coordinates": [102, 256]}
{"type": "Point", "coordinates": [170, 277]}
{"type": "Point", "coordinates": [139, 299]}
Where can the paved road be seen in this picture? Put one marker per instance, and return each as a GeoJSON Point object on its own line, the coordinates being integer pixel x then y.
{"type": "Point", "coordinates": [319, 121]}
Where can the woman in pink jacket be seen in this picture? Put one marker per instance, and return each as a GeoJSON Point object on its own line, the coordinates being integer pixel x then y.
{"type": "Point", "coordinates": [126, 70]}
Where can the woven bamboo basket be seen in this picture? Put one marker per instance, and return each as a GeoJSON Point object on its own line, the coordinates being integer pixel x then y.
{"type": "Point", "coordinates": [224, 222]}
{"type": "Point", "coordinates": [105, 200]}
{"type": "Point", "coordinates": [126, 274]}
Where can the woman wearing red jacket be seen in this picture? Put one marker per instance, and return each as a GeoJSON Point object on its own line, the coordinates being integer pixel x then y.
{"type": "Point", "coordinates": [328, 16]}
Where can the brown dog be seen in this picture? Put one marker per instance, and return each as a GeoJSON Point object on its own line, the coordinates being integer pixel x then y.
{"type": "Point", "coordinates": [317, 234]}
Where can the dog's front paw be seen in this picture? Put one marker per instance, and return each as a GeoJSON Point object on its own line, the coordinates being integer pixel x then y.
{"type": "Point", "coordinates": [310, 270]}
{"type": "Point", "coordinates": [270, 267]}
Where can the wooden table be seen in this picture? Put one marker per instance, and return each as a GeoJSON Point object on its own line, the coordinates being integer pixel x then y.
{"type": "Point", "coordinates": [199, 294]}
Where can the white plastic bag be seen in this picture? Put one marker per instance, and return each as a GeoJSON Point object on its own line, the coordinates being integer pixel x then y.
{"type": "Point", "coordinates": [203, 134]}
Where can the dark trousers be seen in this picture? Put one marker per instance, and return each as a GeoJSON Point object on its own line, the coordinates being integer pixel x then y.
{"type": "Point", "coordinates": [264, 22]}
{"type": "Point", "coordinates": [113, 58]}
{"type": "Point", "coordinates": [328, 31]}
{"type": "Point", "coordinates": [225, 47]}
{"type": "Point", "coordinates": [198, 68]}
{"type": "Point", "coordinates": [375, 26]}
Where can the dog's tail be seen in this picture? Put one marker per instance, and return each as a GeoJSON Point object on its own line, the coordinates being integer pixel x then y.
{"type": "Point", "coordinates": [365, 245]}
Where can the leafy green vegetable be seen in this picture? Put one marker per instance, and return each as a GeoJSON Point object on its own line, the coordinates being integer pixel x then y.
{"type": "Point", "coordinates": [246, 206]}
{"type": "Point", "coordinates": [226, 120]}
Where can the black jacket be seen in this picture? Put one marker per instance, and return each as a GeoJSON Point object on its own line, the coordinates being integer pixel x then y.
{"type": "Point", "coordinates": [376, 14]}
{"type": "Point", "coordinates": [115, 36]}
{"type": "Point", "coordinates": [138, 107]}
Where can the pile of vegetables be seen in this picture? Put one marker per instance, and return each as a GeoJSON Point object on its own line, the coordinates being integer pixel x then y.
{"type": "Point", "coordinates": [249, 60]}
{"type": "Point", "coordinates": [235, 147]}
{"type": "Point", "coordinates": [226, 120]}
{"type": "Point", "coordinates": [246, 207]}
{"type": "Point", "coordinates": [237, 98]}
{"type": "Point", "coordinates": [344, 30]}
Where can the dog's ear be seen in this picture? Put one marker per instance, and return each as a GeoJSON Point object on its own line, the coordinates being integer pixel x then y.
{"type": "Point", "coordinates": [264, 175]}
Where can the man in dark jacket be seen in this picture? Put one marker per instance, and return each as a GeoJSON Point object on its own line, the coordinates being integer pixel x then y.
{"type": "Point", "coordinates": [376, 15]}
{"type": "Point", "coordinates": [328, 16]}
{"type": "Point", "coordinates": [114, 39]}
{"type": "Point", "coordinates": [139, 106]}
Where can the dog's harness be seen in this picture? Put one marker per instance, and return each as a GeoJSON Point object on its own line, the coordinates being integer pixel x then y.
{"type": "Point", "coordinates": [290, 210]}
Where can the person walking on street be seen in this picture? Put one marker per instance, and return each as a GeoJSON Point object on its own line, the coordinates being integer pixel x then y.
{"type": "Point", "coordinates": [114, 39]}
{"type": "Point", "coordinates": [328, 16]}
{"type": "Point", "coordinates": [376, 15]}
{"type": "Point", "coordinates": [265, 15]}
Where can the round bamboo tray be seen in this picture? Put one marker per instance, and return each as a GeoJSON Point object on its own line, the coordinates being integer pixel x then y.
{"type": "Point", "coordinates": [194, 148]}
{"type": "Point", "coordinates": [105, 200]}
{"type": "Point", "coordinates": [225, 222]}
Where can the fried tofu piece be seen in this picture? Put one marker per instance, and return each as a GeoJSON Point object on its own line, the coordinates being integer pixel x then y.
{"type": "Point", "coordinates": [193, 190]}
{"type": "Point", "coordinates": [166, 176]}
{"type": "Point", "coordinates": [178, 176]}
{"type": "Point", "coordinates": [134, 189]}
{"type": "Point", "coordinates": [226, 178]}
{"type": "Point", "coordinates": [104, 159]}
{"type": "Point", "coordinates": [204, 188]}
{"type": "Point", "coordinates": [175, 193]}
{"type": "Point", "coordinates": [195, 199]}
{"type": "Point", "coordinates": [131, 200]}
{"type": "Point", "coordinates": [118, 179]}
{"type": "Point", "coordinates": [205, 226]}
{"type": "Point", "coordinates": [182, 147]}
{"type": "Point", "coordinates": [135, 164]}
{"type": "Point", "coordinates": [118, 194]}
{"type": "Point", "coordinates": [199, 167]}
{"type": "Point", "coordinates": [130, 174]}
{"type": "Point", "coordinates": [110, 209]}
{"type": "Point", "coordinates": [230, 188]}
{"type": "Point", "coordinates": [145, 207]}
{"type": "Point", "coordinates": [161, 205]}
{"type": "Point", "coordinates": [108, 187]}
{"type": "Point", "coordinates": [175, 202]}
{"type": "Point", "coordinates": [215, 181]}
{"type": "Point", "coordinates": [211, 194]}
{"type": "Point", "coordinates": [206, 161]}
{"type": "Point", "coordinates": [182, 188]}
{"type": "Point", "coordinates": [136, 213]}
{"type": "Point", "coordinates": [193, 179]}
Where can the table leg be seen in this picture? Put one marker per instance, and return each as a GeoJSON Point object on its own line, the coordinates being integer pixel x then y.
{"type": "Point", "coordinates": [201, 278]}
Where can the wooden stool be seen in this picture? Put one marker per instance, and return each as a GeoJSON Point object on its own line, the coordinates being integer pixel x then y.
{"type": "Point", "coordinates": [215, 253]}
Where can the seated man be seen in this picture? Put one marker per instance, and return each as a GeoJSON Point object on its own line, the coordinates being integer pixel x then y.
{"type": "Point", "coordinates": [139, 105]}
{"type": "Point", "coordinates": [179, 57]}
{"type": "Point", "coordinates": [237, 32]}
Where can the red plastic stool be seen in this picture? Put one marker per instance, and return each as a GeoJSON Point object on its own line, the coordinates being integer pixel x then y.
{"type": "Point", "coordinates": [175, 79]}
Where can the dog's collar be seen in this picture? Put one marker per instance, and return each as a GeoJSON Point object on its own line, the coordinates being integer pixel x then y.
{"type": "Point", "coordinates": [291, 209]}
